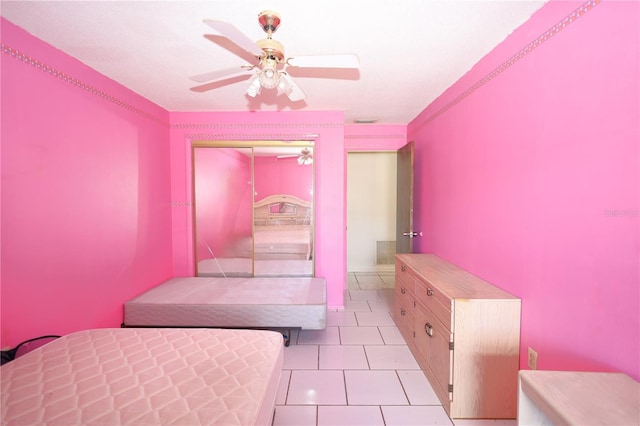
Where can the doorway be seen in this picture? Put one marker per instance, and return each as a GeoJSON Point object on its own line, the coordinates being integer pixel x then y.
{"type": "Point", "coordinates": [371, 219]}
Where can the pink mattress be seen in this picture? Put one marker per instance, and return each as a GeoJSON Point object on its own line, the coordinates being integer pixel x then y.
{"type": "Point", "coordinates": [282, 242]}
{"type": "Point", "coordinates": [241, 267]}
{"type": "Point", "coordinates": [146, 376]}
{"type": "Point", "coordinates": [283, 302]}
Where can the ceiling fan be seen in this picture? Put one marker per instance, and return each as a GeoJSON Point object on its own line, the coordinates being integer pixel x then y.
{"type": "Point", "coordinates": [305, 157]}
{"type": "Point", "coordinates": [270, 59]}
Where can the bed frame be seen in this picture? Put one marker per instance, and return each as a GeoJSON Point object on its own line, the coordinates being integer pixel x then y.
{"type": "Point", "coordinates": [282, 210]}
{"type": "Point", "coordinates": [282, 226]}
{"type": "Point", "coordinates": [241, 267]}
{"type": "Point", "coordinates": [282, 304]}
{"type": "Point", "coordinates": [146, 376]}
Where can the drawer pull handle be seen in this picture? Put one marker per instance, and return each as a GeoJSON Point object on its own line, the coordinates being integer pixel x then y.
{"type": "Point", "coordinates": [428, 328]}
{"type": "Point", "coordinates": [403, 268]}
{"type": "Point", "coordinates": [403, 290]}
{"type": "Point", "coordinates": [429, 292]}
{"type": "Point", "coordinates": [402, 312]}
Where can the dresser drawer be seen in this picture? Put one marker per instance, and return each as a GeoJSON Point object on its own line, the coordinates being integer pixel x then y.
{"type": "Point", "coordinates": [439, 304]}
{"type": "Point", "coordinates": [404, 293]}
{"type": "Point", "coordinates": [403, 316]}
{"type": "Point", "coordinates": [405, 273]}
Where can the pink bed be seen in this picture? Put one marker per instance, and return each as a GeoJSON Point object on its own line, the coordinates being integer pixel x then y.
{"type": "Point", "coordinates": [283, 228]}
{"type": "Point", "coordinates": [241, 267]}
{"type": "Point", "coordinates": [282, 242]}
{"type": "Point", "coordinates": [270, 303]}
{"type": "Point", "coordinates": [146, 376]}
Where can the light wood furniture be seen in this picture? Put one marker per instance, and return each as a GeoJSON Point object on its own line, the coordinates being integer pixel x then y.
{"type": "Point", "coordinates": [577, 398]}
{"type": "Point", "coordinates": [464, 333]}
{"type": "Point", "coordinates": [282, 210]}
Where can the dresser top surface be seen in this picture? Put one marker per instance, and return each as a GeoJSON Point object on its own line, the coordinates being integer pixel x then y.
{"type": "Point", "coordinates": [450, 279]}
{"type": "Point", "coordinates": [581, 398]}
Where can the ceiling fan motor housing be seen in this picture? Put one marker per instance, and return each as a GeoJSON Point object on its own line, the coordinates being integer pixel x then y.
{"type": "Point", "coordinates": [272, 48]}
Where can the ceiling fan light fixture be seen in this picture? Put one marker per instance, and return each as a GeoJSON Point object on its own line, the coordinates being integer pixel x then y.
{"type": "Point", "coordinates": [284, 88]}
{"type": "Point", "coordinates": [269, 76]}
{"type": "Point", "coordinates": [305, 158]}
{"type": "Point", "coordinates": [254, 86]}
{"type": "Point", "coordinates": [302, 161]}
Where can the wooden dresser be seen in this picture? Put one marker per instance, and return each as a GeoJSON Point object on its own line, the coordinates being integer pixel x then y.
{"type": "Point", "coordinates": [578, 398]}
{"type": "Point", "coordinates": [464, 333]}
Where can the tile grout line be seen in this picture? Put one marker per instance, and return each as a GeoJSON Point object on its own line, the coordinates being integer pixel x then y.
{"type": "Point", "coordinates": [366, 356]}
{"type": "Point", "coordinates": [384, 422]}
{"type": "Point", "coordinates": [344, 383]}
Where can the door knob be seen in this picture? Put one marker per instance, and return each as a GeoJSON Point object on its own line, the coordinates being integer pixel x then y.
{"type": "Point", "coordinates": [410, 234]}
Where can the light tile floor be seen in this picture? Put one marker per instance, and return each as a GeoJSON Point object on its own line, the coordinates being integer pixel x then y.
{"type": "Point", "coordinates": [359, 370]}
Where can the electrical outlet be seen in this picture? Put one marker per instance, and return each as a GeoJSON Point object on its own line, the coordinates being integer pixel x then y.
{"type": "Point", "coordinates": [532, 359]}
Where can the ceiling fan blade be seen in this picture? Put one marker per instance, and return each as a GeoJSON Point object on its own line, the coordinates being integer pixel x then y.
{"type": "Point", "coordinates": [216, 84]}
{"type": "Point", "coordinates": [324, 61]}
{"type": "Point", "coordinates": [219, 74]}
{"type": "Point", "coordinates": [236, 36]}
{"type": "Point", "coordinates": [294, 92]}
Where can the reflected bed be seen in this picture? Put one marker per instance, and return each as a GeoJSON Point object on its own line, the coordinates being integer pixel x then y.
{"type": "Point", "coordinates": [241, 267]}
{"type": "Point", "coordinates": [282, 243]}
{"type": "Point", "coordinates": [282, 228]}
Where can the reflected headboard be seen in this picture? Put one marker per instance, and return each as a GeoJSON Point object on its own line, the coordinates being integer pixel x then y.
{"type": "Point", "coordinates": [281, 210]}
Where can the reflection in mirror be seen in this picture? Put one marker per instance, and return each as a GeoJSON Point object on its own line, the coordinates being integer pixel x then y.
{"type": "Point", "coordinates": [282, 209]}
{"type": "Point", "coordinates": [223, 208]}
{"type": "Point", "coordinates": [254, 221]}
{"type": "Point", "coordinates": [283, 240]}
{"type": "Point", "coordinates": [283, 226]}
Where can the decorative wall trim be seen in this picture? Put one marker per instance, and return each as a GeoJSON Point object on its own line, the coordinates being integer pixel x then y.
{"type": "Point", "coordinates": [255, 125]}
{"type": "Point", "coordinates": [28, 60]}
{"type": "Point", "coordinates": [569, 19]}
{"type": "Point", "coordinates": [250, 137]}
{"type": "Point", "coordinates": [375, 137]}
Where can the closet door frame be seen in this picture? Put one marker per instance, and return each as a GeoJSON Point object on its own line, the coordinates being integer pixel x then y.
{"type": "Point", "coordinates": [276, 146]}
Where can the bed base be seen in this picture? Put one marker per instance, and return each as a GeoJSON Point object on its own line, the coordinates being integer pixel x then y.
{"type": "Point", "coordinates": [279, 304]}
{"type": "Point", "coordinates": [285, 331]}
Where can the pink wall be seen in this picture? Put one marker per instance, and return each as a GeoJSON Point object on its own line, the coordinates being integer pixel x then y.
{"type": "Point", "coordinates": [528, 176]}
{"type": "Point", "coordinates": [282, 176]}
{"type": "Point", "coordinates": [326, 128]}
{"type": "Point", "coordinates": [223, 191]}
{"type": "Point", "coordinates": [85, 193]}
{"type": "Point", "coordinates": [374, 137]}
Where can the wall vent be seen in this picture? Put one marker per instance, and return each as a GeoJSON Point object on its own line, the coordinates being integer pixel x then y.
{"type": "Point", "coordinates": [385, 252]}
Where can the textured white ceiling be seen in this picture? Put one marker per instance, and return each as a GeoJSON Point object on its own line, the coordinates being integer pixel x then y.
{"type": "Point", "coordinates": [410, 50]}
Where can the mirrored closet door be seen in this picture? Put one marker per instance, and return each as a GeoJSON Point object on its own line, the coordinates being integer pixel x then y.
{"type": "Point", "coordinates": [253, 208]}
